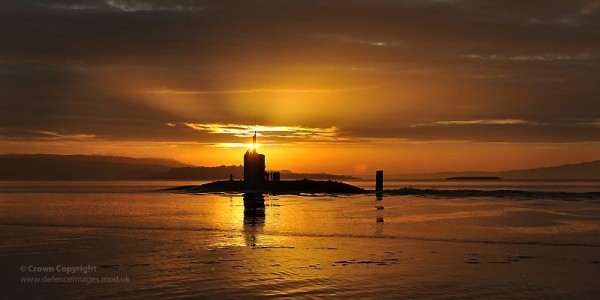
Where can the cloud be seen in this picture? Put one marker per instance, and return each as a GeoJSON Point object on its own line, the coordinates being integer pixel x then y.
{"type": "Point", "coordinates": [590, 8]}
{"type": "Point", "coordinates": [476, 122]}
{"type": "Point", "coordinates": [358, 41]}
{"type": "Point", "coordinates": [591, 123]}
{"type": "Point", "coordinates": [240, 130]}
{"type": "Point", "coordinates": [141, 5]}
{"type": "Point", "coordinates": [50, 135]}
{"type": "Point", "coordinates": [7, 134]}
{"type": "Point", "coordinates": [260, 91]}
{"type": "Point", "coordinates": [535, 57]}
{"type": "Point", "coordinates": [128, 70]}
{"type": "Point", "coordinates": [129, 6]}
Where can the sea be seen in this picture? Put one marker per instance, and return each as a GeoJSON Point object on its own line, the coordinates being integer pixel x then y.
{"type": "Point", "coordinates": [138, 240]}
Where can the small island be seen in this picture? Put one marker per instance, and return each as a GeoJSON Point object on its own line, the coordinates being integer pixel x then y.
{"type": "Point", "coordinates": [474, 178]}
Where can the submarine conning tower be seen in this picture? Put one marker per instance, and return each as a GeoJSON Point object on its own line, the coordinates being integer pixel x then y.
{"type": "Point", "coordinates": [254, 168]}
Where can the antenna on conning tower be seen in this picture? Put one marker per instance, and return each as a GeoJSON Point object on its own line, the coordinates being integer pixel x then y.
{"type": "Point", "coordinates": [254, 138]}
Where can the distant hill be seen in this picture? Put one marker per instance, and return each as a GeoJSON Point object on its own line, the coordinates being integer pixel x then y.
{"type": "Point", "coordinates": [198, 173]}
{"type": "Point", "coordinates": [80, 167]}
{"type": "Point", "coordinates": [585, 170]}
{"type": "Point", "coordinates": [96, 167]}
{"type": "Point", "coordinates": [223, 172]}
{"type": "Point", "coordinates": [581, 171]}
{"type": "Point", "coordinates": [325, 176]}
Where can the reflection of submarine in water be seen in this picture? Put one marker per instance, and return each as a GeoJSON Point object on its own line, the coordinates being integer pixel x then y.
{"type": "Point", "coordinates": [254, 217]}
{"type": "Point", "coordinates": [254, 206]}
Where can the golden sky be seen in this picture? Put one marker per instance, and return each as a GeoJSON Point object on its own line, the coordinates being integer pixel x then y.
{"type": "Point", "coordinates": [336, 86]}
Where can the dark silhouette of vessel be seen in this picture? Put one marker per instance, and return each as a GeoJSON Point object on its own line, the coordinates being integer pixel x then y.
{"type": "Point", "coordinates": [254, 168]}
{"type": "Point", "coordinates": [257, 180]}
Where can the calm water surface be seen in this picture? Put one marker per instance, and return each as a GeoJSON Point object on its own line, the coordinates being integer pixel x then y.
{"type": "Point", "coordinates": [187, 246]}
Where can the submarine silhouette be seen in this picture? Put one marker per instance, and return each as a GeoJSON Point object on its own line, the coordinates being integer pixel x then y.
{"type": "Point", "coordinates": [258, 180]}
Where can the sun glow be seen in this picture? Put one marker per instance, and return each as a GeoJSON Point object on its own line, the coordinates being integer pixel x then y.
{"type": "Point", "coordinates": [252, 146]}
{"type": "Point", "coordinates": [241, 130]}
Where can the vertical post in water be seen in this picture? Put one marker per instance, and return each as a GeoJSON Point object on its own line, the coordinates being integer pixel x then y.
{"type": "Point", "coordinates": [379, 181]}
{"type": "Point", "coordinates": [379, 194]}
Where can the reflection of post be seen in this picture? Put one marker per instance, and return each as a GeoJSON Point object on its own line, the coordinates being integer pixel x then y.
{"type": "Point", "coordinates": [379, 215]}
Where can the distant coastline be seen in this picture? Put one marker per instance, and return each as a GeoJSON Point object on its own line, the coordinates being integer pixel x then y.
{"type": "Point", "coordinates": [50, 167]}
{"type": "Point", "coordinates": [579, 171]}
{"type": "Point", "coordinates": [223, 172]}
{"type": "Point", "coordinates": [473, 178]}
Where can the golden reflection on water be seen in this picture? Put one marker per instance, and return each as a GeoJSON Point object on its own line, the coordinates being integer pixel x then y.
{"type": "Point", "coordinates": [245, 214]}
{"type": "Point", "coordinates": [281, 219]}
{"type": "Point", "coordinates": [562, 227]}
{"type": "Point", "coordinates": [258, 221]}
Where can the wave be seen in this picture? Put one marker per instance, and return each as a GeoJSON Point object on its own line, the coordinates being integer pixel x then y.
{"type": "Point", "coordinates": [464, 193]}
{"type": "Point", "coordinates": [307, 234]}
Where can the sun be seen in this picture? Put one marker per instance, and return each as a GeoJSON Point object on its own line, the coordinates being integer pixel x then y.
{"type": "Point", "coordinates": [252, 146]}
